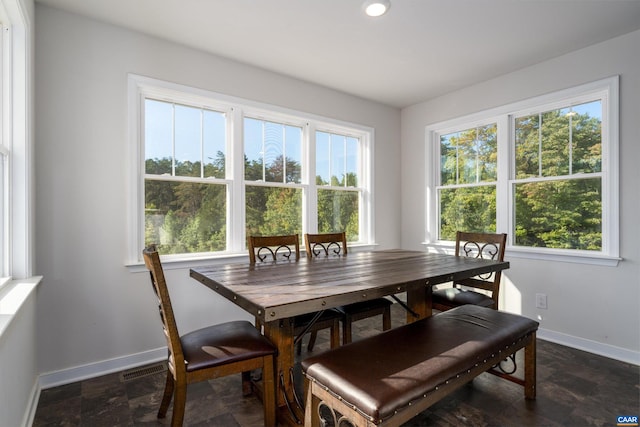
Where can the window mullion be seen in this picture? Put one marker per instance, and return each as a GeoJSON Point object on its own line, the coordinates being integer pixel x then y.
{"type": "Point", "coordinates": [236, 234]}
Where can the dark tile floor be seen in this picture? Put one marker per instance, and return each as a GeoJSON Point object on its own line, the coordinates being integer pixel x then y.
{"type": "Point", "coordinates": [575, 388]}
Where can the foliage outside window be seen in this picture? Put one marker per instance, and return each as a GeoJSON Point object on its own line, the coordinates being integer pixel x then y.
{"type": "Point", "coordinates": [215, 172]}
{"type": "Point", "coordinates": [541, 170]}
{"type": "Point", "coordinates": [468, 175]}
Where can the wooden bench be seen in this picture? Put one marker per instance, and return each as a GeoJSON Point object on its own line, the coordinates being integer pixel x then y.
{"type": "Point", "coordinates": [389, 378]}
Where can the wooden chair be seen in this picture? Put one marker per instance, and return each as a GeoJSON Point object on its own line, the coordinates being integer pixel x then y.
{"type": "Point", "coordinates": [208, 353]}
{"type": "Point", "coordinates": [336, 244]}
{"type": "Point", "coordinates": [476, 245]}
{"type": "Point", "coordinates": [287, 247]}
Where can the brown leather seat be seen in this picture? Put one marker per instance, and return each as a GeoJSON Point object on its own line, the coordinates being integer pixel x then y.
{"type": "Point", "coordinates": [386, 372]}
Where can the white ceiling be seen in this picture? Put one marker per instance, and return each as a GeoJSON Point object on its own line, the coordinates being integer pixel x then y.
{"type": "Point", "coordinates": [420, 49]}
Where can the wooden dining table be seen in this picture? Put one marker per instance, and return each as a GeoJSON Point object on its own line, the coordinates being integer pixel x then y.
{"type": "Point", "coordinates": [275, 292]}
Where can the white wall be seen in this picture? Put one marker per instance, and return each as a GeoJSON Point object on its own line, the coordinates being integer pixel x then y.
{"type": "Point", "coordinates": [94, 313]}
{"type": "Point", "coordinates": [591, 307]}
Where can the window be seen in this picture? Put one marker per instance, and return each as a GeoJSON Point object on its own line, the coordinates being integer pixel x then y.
{"type": "Point", "coordinates": [543, 170]}
{"type": "Point", "coordinates": [216, 169]}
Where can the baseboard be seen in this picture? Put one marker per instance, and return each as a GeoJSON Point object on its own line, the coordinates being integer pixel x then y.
{"type": "Point", "coordinates": [606, 350]}
{"type": "Point", "coordinates": [104, 367]}
{"type": "Point", "coordinates": [30, 415]}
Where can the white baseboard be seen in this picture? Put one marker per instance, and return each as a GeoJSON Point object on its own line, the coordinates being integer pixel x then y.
{"type": "Point", "coordinates": [606, 350]}
{"type": "Point", "coordinates": [30, 415]}
{"type": "Point", "coordinates": [104, 367]}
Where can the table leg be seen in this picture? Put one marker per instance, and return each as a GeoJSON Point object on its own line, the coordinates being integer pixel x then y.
{"type": "Point", "coordinates": [281, 335]}
{"type": "Point", "coordinates": [419, 301]}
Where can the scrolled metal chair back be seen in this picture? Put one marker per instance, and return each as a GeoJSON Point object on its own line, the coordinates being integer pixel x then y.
{"type": "Point", "coordinates": [274, 248]}
{"type": "Point", "coordinates": [329, 244]}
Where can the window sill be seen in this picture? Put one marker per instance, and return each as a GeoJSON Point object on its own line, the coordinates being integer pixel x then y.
{"type": "Point", "coordinates": [579, 257]}
{"type": "Point", "coordinates": [12, 297]}
{"type": "Point", "coordinates": [175, 263]}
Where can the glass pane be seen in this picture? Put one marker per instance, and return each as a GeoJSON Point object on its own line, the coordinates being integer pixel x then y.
{"type": "Point", "coordinates": [554, 132]}
{"type": "Point", "coordinates": [267, 145]}
{"type": "Point", "coordinates": [448, 159]}
{"type": "Point", "coordinates": [470, 209]}
{"type": "Point", "coordinates": [214, 143]}
{"type": "Point", "coordinates": [586, 129]}
{"type": "Point", "coordinates": [293, 150]}
{"type": "Point", "coordinates": [273, 211]}
{"type": "Point", "coordinates": [253, 153]}
{"type": "Point", "coordinates": [183, 217]}
{"type": "Point", "coordinates": [273, 152]}
{"type": "Point", "coordinates": [527, 146]}
{"type": "Point", "coordinates": [563, 214]}
{"type": "Point", "coordinates": [469, 156]}
{"type": "Point", "coordinates": [188, 137]}
{"type": "Point", "coordinates": [158, 137]}
{"type": "Point", "coordinates": [323, 152]}
{"type": "Point", "coordinates": [337, 212]}
{"type": "Point", "coordinates": [353, 150]}
{"type": "Point", "coordinates": [338, 159]}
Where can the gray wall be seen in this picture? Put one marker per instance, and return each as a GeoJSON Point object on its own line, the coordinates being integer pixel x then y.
{"type": "Point", "coordinates": [590, 307]}
{"type": "Point", "coordinates": [93, 312]}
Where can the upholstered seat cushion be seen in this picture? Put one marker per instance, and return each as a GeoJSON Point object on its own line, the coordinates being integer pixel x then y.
{"type": "Point", "coordinates": [386, 372]}
{"type": "Point", "coordinates": [225, 343]}
{"type": "Point", "coordinates": [456, 296]}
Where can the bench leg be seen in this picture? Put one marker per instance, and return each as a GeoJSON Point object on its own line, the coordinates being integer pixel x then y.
{"type": "Point", "coordinates": [530, 368]}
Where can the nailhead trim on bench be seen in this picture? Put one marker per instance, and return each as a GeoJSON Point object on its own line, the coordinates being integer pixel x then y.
{"type": "Point", "coordinates": [504, 352]}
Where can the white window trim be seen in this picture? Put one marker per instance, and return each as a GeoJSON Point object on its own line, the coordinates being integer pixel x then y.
{"type": "Point", "coordinates": [608, 88]}
{"type": "Point", "coordinates": [140, 87]}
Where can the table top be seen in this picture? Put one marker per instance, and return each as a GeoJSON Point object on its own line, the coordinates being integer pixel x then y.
{"type": "Point", "coordinates": [277, 290]}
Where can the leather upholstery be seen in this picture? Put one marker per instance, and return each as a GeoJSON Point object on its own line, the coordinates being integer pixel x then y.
{"type": "Point", "coordinates": [385, 372]}
{"type": "Point", "coordinates": [461, 296]}
{"type": "Point", "coordinates": [225, 343]}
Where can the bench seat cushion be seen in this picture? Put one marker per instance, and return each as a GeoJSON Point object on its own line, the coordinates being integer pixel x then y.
{"type": "Point", "coordinates": [384, 373]}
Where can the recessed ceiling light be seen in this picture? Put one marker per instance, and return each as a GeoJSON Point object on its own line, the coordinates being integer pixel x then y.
{"type": "Point", "coordinates": [376, 7]}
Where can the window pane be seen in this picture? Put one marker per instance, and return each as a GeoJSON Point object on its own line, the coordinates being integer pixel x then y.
{"type": "Point", "coordinates": [337, 160]}
{"type": "Point", "coordinates": [214, 143]}
{"type": "Point", "coordinates": [559, 142]}
{"type": "Point", "coordinates": [267, 146]}
{"type": "Point", "coordinates": [471, 209]}
{"type": "Point", "coordinates": [323, 157]}
{"type": "Point", "coordinates": [183, 217]}
{"type": "Point", "coordinates": [563, 214]}
{"type": "Point", "coordinates": [469, 156]}
{"type": "Point", "coordinates": [188, 135]}
{"type": "Point", "coordinates": [273, 210]}
{"type": "Point", "coordinates": [353, 150]}
{"type": "Point", "coordinates": [586, 123]}
{"type": "Point", "coordinates": [337, 212]}
{"type": "Point", "coordinates": [158, 136]}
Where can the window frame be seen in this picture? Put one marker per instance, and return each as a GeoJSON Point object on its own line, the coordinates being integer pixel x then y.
{"type": "Point", "coordinates": [236, 109]}
{"type": "Point", "coordinates": [605, 89]}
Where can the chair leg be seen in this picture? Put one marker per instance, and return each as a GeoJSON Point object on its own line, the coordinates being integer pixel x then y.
{"type": "Point", "coordinates": [247, 387]}
{"type": "Point", "coordinates": [346, 330]}
{"type": "Point", "coordinates": [312, 341]}
{"type": "Point", "coordinates": [386, 319]}
{"type": "Point", "coordinates": [269, 395]}
{"type": "Point", "coordinates": [168, 394]}
{"type": "Point", "coordinates": [335, 334]}
{"type": "Point", "coordinates": [179, 403]}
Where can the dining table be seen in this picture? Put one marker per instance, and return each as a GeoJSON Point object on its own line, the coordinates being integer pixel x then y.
{"type": "Point", "coordinates": [275, 292]}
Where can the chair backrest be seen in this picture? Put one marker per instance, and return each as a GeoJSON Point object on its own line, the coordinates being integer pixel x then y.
{"type": "Point", "coordinates": [274, 248]}
{"type": "Point", "coordinates": [327, 244]}
{"type": "Point", "coordinates": [152, 261]}
{"type": "Point", "coordinates": [486, 246]}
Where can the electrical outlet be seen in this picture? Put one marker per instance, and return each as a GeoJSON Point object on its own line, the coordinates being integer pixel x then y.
{"type": "Point", "coordinates": [541, 301]}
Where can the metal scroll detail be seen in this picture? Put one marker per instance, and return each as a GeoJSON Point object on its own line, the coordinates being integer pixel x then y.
{"type": "Point", "coordinates": [483, 251]}
{"type": "Point", "coordinates": [330, 248]}
{"type": "Point", "coordinates": [330, 418]}
{"type": "Point", "coordinates": [282, 251]}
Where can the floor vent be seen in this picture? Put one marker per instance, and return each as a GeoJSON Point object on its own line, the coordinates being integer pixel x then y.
{"type": "Point", "coordinates": [142, 371]}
